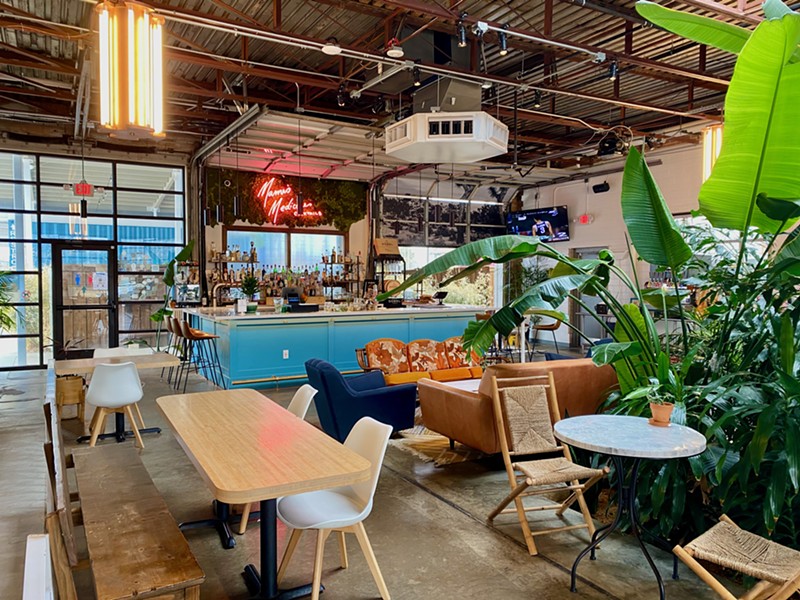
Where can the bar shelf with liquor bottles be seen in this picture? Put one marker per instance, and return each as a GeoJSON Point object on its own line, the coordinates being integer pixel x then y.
{"type": "Point", "coordinates": [342, 275]}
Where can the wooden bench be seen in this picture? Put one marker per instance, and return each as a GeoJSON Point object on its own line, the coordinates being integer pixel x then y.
{"type": "Point", "coordinates": [135, 547]}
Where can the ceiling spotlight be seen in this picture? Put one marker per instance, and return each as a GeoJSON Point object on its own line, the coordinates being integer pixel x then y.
{"type": "Point", "coordinates": [461, 31]}
{"type": "Point", "coordinates": [537, 99]}
{"type": "Point", "coordinates": [394, 49]}
{"type": "Point", "coordinates": [613, 70]}
{"type": "Point", "coordinates": [331, 47]}
{"type": "Point", "coordinates": [341, 97]}
{"type": "Point", "coordinates": [415, 75]}
{"type": "Point", "coordinates": [503, 41]}
{"type": "Point", "coordinates": [487, 85]}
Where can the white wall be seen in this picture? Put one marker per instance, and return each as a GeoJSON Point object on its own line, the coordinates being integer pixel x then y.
{"type": "Point", "coordinates": [679, 178]}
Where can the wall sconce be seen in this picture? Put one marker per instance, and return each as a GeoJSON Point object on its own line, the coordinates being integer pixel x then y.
{"type": "Point", "coordinates": [131, 70]}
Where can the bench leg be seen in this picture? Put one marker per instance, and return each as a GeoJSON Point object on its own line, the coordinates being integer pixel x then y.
{"type": "Point", "coordinates": [192, 593]}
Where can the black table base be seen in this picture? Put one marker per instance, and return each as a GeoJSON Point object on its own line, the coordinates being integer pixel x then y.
{"type": "Point", "coordinates": [626, 494]}
{"type": "Point", "coordinates": [120, 433]}
{"type": "Point", "coordinates": [266, 587]}
{"type": "Point", "coordinates": [219, 522]}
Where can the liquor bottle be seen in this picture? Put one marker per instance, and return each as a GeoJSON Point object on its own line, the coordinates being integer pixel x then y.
{"type": "Point", "coordinates": [333, 256]}
{"type": "Point", "coordinates": [213, 252]}
{"type": "Point", "coordinates": [253, 253]}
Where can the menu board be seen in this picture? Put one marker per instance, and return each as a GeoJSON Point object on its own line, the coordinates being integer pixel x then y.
{"type": "Point", "coordinates": [386, 246]}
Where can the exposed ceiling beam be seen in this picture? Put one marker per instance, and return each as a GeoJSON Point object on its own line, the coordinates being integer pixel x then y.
{"type": "Point", "coordinates": [724, 10]}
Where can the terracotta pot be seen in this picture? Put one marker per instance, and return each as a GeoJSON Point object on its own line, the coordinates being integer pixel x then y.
{"type": "Point", "coordinates": [661, 413]}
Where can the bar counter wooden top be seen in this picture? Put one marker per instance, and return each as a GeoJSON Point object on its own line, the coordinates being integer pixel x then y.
{"type": "Point", "coordinates": [248, 448]}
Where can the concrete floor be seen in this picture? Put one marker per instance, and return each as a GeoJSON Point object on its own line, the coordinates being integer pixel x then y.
{"type": "Point", "coordinates": [427, 529]}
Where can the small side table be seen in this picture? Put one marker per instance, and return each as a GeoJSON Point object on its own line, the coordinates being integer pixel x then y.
{"type": "Point", "coordinates": [632, 438]}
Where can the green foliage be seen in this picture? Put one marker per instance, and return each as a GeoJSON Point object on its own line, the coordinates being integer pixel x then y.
{"type": "Point", "coordinates": [760, 140]}
{"type": "Point", "coordinates": [7, 312]}
{"type": "Point", "coordinates": [249, 286]}
{"type": "Point", "coordinates": [168, 278]}
{"type": "Point", "coordinates": [342, 203]}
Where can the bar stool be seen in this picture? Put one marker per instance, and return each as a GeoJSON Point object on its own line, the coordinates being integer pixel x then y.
{"type": "Point", "coordinates": [180, 346]}
{"type": "Point", "coordinates": [551, 327]}
{"type": "Point", "coordinates": [202, 350]}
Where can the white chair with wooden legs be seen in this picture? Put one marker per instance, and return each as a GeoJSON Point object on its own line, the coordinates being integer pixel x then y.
{"type": "Point", "coordinates": [340, 510]}
{"type": "Point", "coordinates": [124, 351]}
{"type": "Point", "coordinates": [776, 567]}
{"type": "Point", "coordinates": [114, 388]}
{"type": "Point", "coordinates": [526, 409]}
{"type": "Point", "coordinates": [298, 407]}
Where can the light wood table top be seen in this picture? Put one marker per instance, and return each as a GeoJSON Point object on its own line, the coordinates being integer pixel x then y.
{"type": "Point", "coordinates": [248, 448]}
{"type": "Point", "coordinates": [81, 366]}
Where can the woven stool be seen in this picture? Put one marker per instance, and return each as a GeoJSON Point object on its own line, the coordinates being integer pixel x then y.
{"type": "Point", "coordinates": [776, 567]}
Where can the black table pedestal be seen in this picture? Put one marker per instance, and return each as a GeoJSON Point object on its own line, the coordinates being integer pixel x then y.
{"type": "Point", "coordinates": [120, 433]}
{"type": "Point", "coordinates": [264, 586]}
{"type": "Point", "coordinates": [219, 522]}
{"type": "Point", "coordinates": [627, 505]}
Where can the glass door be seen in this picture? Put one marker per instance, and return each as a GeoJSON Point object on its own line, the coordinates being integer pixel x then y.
{"type": "Point", "coordinates": [84, 299]}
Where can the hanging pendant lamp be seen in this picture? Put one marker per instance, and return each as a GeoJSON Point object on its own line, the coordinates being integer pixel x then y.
{"type": "Point", "coordinates": [131, 70]}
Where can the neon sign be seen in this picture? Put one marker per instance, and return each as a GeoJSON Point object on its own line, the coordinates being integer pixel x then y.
{"type": "Point", "coordinates": [280, 203]}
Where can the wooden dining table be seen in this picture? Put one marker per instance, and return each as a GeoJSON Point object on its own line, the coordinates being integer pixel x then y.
{"type": "Point", "coordinates": [249, 449]}
{"type": "Point", "coordinates": [86, 366]}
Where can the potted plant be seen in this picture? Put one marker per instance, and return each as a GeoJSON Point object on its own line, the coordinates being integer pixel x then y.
{"type": "Point", "coordinates": [250, 288]}
{"type": "Point", "coordinates": [169, 281]}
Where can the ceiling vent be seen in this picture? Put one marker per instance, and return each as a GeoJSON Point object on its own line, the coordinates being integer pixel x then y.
{"type": "Point", "coordinates": [451, 137]}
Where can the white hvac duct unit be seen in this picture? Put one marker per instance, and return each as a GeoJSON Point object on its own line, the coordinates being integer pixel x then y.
{"type": "Point", "coordinates": [448, 126]}
{"type": "Point", "coordinates": [447, 137]}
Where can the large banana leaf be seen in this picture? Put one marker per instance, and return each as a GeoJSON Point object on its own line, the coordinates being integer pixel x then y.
{"type": "Point", "coordinates": [653, 231]}
{"type": "Point", "coordinates": [775, 9]}
{"type": "Point", "coordinates": [761, 145]}
{"type": "Point", "coordinates": [496, 249]}
{"type": "Point", "coordinates": [542, 298]}
{"type": "Point", "coordinates": [704, 30]}
{"type": "Point", "coordinates": [632, 372]}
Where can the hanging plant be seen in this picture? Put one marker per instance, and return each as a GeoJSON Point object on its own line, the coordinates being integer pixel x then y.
{"type": "Point", "coordinates": [273, 199]}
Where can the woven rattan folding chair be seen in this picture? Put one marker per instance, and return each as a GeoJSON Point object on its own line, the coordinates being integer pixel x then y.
{"type": "Point", "coordinates": [525, 410]}
{"type": "Point", "coordinates": [776, 567]}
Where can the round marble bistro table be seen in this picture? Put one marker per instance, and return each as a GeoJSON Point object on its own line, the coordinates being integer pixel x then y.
{"type": "Point", "coordinates": [628, 441]}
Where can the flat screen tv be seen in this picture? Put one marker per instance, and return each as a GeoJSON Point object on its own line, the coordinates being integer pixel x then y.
{"type": "Point", "coordinates": [548, 224]}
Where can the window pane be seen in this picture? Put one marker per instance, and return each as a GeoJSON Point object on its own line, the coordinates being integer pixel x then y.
{"type": "Point", "coordinates": [17, 196]}
{"type": "Point", "coordinates": [150, 204]}
{"type": "Point", "coordinates": [21, 167]}
{"type": "Point", "coordinates": [71, 227]}
{"type": "Point", "coordinates": [148, 177]}
{"type": "Point", "coordinates": [70, 170]}
{"type": "Point", "coordinates": [309, 248]}
{"type": "Point", "coordinates": [148, 338]}
{"type": "Point", "coordinates": [270, 246]}
{"type": "Point", "coordinates": [136, 317]}
{"type": "Point", "coordinates": [26, 321]}
{"type": "Point", "coordinates": [18, 226]}
{"type": "Point", "coordinates": [141, 287]}
{"type": "Point", "coordinates": [144, 230]}
{"type": "Point", "coordinates": [24, 288]}
{"type": "Point", "coordinates": [17, 256]}
{"type": "Point", "coordinates": [57, 199]}
{"type": "Point", "coordinates": [19, 352]}
{"type": "Point", "coordinates": [145, 258]}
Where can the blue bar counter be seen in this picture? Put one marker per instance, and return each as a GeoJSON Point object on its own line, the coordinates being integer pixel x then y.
{"type": "Point", "coordinates": [265, 348]}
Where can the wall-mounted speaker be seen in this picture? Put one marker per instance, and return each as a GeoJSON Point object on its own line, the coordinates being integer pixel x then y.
{"type": "Point", "coordinates": [599, 188]}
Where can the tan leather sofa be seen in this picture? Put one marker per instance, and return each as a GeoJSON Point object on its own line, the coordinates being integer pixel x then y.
{"type": "Point", "coordinates": [467, 416]}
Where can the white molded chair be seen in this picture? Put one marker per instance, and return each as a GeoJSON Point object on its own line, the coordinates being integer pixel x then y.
{"type": "Point", "coordinates": [298, 407]}
{"type": "Point", "coordinates": [340, 509]}
{"type": "Point", "coordinates": [124, 351]}
{"type": "Point", "coordinates": [112, 389]}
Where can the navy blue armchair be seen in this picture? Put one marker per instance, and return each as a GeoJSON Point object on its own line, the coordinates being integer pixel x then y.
{"type": "Point", "coordinates": [341, 401]}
